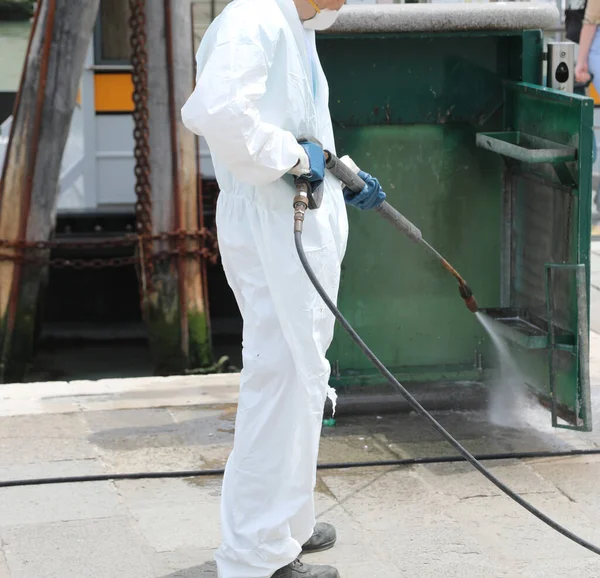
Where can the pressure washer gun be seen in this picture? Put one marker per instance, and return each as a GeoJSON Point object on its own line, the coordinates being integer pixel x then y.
{"type": "Point", "coordinates": [350, 178]}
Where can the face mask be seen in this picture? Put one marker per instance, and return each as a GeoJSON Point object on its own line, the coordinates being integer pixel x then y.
{"type": "Point", "coordinates": [322, 20]}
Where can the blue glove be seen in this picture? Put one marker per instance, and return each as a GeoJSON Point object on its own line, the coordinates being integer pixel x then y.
{"type": "Point", "coordinates": [316, 159]}
{"type": "Point", "coordinates": [370, 197]}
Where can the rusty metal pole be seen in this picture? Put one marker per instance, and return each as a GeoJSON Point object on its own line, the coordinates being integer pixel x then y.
{"type": "Point", "coordinates": [58, 43]}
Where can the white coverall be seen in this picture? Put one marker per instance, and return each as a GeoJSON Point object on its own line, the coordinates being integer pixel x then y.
{"type": "Point", "coordinates": [253, 99]}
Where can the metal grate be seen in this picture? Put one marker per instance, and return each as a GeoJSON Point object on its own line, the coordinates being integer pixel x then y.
{"type": "Point", "coordinates": [542, 223]}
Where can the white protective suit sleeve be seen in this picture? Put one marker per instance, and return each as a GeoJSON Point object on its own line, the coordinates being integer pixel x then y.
{"type": "Point", "coordinates": [223, 109]}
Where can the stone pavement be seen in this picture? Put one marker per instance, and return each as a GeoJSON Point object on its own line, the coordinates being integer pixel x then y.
{"type": "Point", "coordinates": [442, 520]}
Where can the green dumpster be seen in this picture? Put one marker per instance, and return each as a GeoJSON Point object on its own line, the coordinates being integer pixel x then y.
{"type": "Point", "coordinates": [445, 105]}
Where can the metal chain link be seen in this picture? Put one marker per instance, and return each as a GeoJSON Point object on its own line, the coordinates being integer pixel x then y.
{"type": "Point", "coordinates": [30, 251]}
{"type": "Point", "coordinates": [141, 134]}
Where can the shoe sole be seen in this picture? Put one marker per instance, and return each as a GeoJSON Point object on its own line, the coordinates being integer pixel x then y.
{"type": "Point", "coordinates": [322, 548]}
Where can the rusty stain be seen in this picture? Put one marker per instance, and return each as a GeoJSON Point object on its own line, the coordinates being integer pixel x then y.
{"type": "Point", "coordinates": [376, 110]}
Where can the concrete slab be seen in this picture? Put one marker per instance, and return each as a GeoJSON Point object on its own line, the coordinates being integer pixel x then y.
{"type": "Point", "coordinates": [4, 571]}
{"type": "Point", "coordinates": [502, 528]}
{"type": "Point", "coordinates": [150, 459]}
{"type": "Point", "coordinates": [56, 503]}
{"type": "Point", "coordinates": [43, 426]}
{"type": "Point", "coordinates": [346, 448]}
{"type": "Point", "coordinates": [156, 428]}
{"type": "Point", "coordinates": [586, 568]}
{"type": "Point", "coordinates": [404, 541]}
{"type": "Point", "coordinates": [106, 548]}
{"type": "Point", "coordinates": [152, 439]}
{"type": "Point", "coordinates": [43, 449]}
{"type": "Point", "coordinates": [119, 421]}
{"type": "Point", "coordinates": [205, 570]}
{"type": "Point", "coordinates": [187, 562]}
{"type": "Point", "coordinates": [146, 494]}
{"type": "Point", "coordinates": [462, 481]}
{"type": "Point", "coordinates": [442, 448]}
{"type": "Point", "coordinates": [577, 478]}
{"type": "Point", "coordinates": [168, 528]}
{"type": "Point", "coordinates": [54, 469]}
{"type": "Point", "coordinates": [361, 493]}
{"type": "Point", "coordinates": [175, 514]}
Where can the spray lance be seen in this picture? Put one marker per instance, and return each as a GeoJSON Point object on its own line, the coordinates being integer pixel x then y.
{"type": "Point", "coordinates": [348, 176]}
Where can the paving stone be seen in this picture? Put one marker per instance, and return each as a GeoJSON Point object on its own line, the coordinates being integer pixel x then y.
{"type": "Point", "coordinates": [204, 570]}
{"type": "Point", "coordinates": [207, 426]}
{"type": "Point", "coordinates": [187, 560]}
{"type": "Point", "coordinates": [43, 426]}
{"type": "Point", "coordinates": [4, 572]}
{"type": "Point", "coordinates": [342, 449]}
{"type": "Point", "coordinates": [504, 529]}
{"type": "Point", "coordinates": [60, 502]}
{"type": "Point", "coordinates": [577, 477]}
{"type": "Point", "coordinates": [127, 419]}
{"type": "Point", "coordinates": [174, 515]}
{"type": "Point", "coordinates": [59, 468]}
{"type": "Point", "coordinates": [106, 548]}
{"type": "Point", "coordinates": [153, 459]}
{"type": "Point", "coordinates": [43, 449]}
{"type": "Point", "coordinates": [461, 480]}
{"type": "Point", "coordinates": [142, 494]}
{"type": "Point", "coordinates": [588, 567]}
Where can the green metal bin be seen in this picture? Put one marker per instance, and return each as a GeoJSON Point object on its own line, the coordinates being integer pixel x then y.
{"type": "Point", "coordinates": [445, 105]}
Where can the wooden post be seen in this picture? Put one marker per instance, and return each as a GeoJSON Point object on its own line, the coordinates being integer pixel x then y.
{"type": "Point", "coordinates": [176, 310]}
{"type": "Point", "coordinates": [29, 186]}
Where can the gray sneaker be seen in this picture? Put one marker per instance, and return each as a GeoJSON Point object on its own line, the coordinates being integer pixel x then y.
{"type": "Point", "coordinates": [323, 538]}
{"type": "Point", "coordinates": [297, 569]}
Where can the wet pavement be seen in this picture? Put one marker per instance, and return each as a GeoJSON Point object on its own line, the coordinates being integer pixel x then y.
{"type": "Point", "coordinates": [435, 520]}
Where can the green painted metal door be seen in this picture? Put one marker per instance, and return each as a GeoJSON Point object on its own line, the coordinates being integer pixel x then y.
{"type": "Point", "coordinates": [547, 148]}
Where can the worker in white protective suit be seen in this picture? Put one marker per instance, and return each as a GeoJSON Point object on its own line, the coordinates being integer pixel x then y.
{"type": "Point", "coordinates": [260, 89]}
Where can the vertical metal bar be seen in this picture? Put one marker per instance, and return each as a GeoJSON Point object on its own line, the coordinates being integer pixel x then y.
{"type": "Point", "coordinates": [88, 106]}
{"type": "Point", "coordinates": [583, 339]}
{"type": "Point", "coordinates": [551, 345]}
{"type": "Point", "coordinates": [507, 238]}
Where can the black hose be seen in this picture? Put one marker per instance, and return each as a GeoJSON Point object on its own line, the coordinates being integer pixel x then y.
{"type": "Point", "coordinates": [422, 411]}
{"type": "Point", "coordinates": [330, 466]}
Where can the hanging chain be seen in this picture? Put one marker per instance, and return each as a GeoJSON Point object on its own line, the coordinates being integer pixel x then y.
{"type": "Point", "coordinates": [141, 134]}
